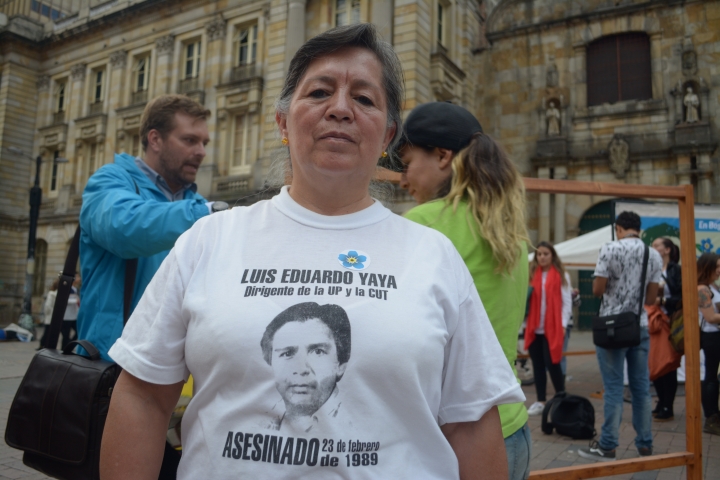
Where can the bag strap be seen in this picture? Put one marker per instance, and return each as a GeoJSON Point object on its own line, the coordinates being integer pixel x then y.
{"type": "Point", "coordinates": [546, 426]}
{"type": "Point", "coordinates": [67, 277]}
{"type": "Point", "coordinates": [646, 255]}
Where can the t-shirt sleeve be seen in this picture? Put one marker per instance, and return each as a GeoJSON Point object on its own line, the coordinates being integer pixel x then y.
{"type": "Point", "coordinates": [476, 375]}
{"type": "Point", "coordinates": [655, 273]}
{"type": "Point", "coordinates": [602, 268]}
{"type": "Point", "coordinates": [152, 345]}
{"type": "Point", "coordinates": [566, 301]}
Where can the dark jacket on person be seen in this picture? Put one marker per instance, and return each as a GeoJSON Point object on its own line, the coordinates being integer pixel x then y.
{"type": "Point", "coordinates": [673, 278]}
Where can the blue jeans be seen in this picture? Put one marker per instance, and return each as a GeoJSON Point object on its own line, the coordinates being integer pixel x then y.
{"type": "Point", "coordinates": [611, 368]}
{"type": "Point", "coordinates": [517, 447]}
{"type": "Point", "coordinates": [563, 362]}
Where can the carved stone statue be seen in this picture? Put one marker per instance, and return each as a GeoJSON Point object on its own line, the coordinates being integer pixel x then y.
{"type": "Point", "coordinates": [552, 116]}
{"type": "Point", "coordinates": [552, 78]}
{"type": "Point", "coordinates": [692, 103]}
{"type": "Point", "coordinates": [619, 151]}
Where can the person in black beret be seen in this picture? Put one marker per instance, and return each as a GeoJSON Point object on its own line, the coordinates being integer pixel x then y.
{"type": "Point", "coordinates": [469, 190]}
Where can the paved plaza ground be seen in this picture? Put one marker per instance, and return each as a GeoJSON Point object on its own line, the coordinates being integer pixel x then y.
{"type": "Point", "coordinates": [548, 451]}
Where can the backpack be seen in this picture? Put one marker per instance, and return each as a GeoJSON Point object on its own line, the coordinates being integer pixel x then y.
{"type": "Point", "coordinates": [571, 415]}
{"type": "Point", "coordinates": [677, 331]}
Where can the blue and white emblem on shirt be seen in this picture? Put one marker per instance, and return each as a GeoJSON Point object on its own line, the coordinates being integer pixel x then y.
{"type": "Point", "coordinates": [354, 260]}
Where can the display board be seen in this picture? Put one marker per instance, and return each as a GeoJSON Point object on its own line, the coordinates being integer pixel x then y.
{"type": "Point", "coordinates": [661, 219]}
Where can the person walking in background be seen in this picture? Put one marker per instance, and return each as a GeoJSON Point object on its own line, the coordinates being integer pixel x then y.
{"type": "Point", "coordinates": [549, 315]}
{"type": "Point", "coordinates": [469, 190]}
{"type": "Point", "coordinates": [48, 306]}
{"type": "Point", "coordinates": [617, 279]}
{"type": "Point", "coordinates": [69, 325]}
{"type": "Point", "coordinates": [708, 271]}
{"type": "Point", "coordinates": [668, 300]}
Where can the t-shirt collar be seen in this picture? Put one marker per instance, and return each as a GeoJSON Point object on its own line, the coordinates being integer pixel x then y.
{"type": "Point", "coordinates": [373, 214]}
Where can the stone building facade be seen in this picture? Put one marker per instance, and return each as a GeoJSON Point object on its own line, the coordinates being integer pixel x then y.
{"type": "Point", "coordinates": [597, 90]}
{"type": "Point", "coordinates": [75, 76]}
{"type": "Point", "coordinates": [602, 90]}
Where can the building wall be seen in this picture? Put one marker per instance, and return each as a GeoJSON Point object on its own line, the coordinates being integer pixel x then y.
{"type": "Point", "coordinates": [111, 38]}
{"type": "Point", "coordinates": [528, 41]}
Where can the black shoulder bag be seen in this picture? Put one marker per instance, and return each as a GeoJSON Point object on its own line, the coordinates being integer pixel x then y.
{"type": "Point", "coordinates": [621, 330]}
{"type": "Point", "coordinates": [58, 414]}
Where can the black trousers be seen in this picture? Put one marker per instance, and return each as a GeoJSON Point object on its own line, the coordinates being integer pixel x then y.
{"type": "Point", "coordinates": [171, 460]}
{"type": "Point", "coordinates": [666, 388]}
{"type": "Point", "coordinates": [540, 355]}
{"type": "Point", "coordinates": [710, 343]}
{"type": "Point", "coordinates": [67, 327]}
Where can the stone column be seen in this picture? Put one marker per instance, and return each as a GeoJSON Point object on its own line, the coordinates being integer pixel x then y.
{"type": "Point", "coordinates": [544, 209]}
{"type": "Point", "coordinates": [683, 170]}
{"type": "Point", "coordinates": [295, 29]}
{"type": "Point", "coordinates": [116, 98]}
{"type": "Point", "coordinates": [382, 16]}
{"type": "Point", "coordinates": [164, 46]}
{"type": "Point", "coordinates": [704, 192]}
{"type": "Point", "coordinates": [560, 201]}
{"type": "Point", "coordinates": [216, 31]}
{"type": "Point", "coordinates": [78, 73]}
{"type": "Point", "coordinates": [45, 104]}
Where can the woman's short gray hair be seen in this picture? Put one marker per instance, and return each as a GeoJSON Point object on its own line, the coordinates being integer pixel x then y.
{"type": "Point", "coordinates": [362, 35]}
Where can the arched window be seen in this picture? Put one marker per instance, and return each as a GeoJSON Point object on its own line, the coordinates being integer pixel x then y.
{"type": "Point", "coordinates": [618, 68]}
{"type": "Point", "coordinates": [41, 248]}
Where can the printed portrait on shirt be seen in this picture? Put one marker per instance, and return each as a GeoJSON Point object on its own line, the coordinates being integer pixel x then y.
{"type": "Point", "coordinates": [308, 348]}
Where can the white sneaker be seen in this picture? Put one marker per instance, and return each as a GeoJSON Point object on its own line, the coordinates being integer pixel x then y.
{"type": "Point", "coordinates": [536, 408]}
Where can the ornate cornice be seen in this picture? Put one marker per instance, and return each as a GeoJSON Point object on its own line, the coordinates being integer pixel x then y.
{"type": "Point", "coordinates": [165, 45]}
{"type": "Point", "coordinates": [78, 71]}
{"type": "Point", "coordinates": [43, 82]}
{"type": "Point", "coordinates": [118, 59]}
{"type": "Point", "coordinates": [215, 29]}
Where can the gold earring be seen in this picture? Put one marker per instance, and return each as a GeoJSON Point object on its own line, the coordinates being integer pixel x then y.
{"type": "Point", "coordinates": [284, 141]}
{"type": "Point", "coordinates": [384, 155]}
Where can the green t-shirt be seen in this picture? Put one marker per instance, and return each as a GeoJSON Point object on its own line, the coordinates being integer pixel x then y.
{"type": "Point", "coordinates": [503, 295]}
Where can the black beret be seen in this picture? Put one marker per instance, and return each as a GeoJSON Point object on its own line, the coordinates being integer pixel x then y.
{"type": "Point", "coordinates": [440, 124]}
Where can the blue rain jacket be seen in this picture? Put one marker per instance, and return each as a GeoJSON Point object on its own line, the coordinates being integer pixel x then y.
{"type": "Point", "coordinates": [119, 224]}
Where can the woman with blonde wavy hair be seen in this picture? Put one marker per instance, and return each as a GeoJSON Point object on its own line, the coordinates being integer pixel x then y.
{"type": "Point", "coordinates": [469, 190]}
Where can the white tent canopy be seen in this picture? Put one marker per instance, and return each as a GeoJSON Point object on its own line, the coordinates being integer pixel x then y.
{"type": "Point", "coordinates": [581, 253]}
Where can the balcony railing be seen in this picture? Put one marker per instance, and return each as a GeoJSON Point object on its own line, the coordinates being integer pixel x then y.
{"type": "Point", "coordinates": [58, 117]}
{"type": "Point", "coordinates": [139, 97]}
{"type": "Point", "coordinates": [96, 107]}
{"type": "Point", "coordinates": [190, 85]}
{"type": "Point", "coordinates": [243, 72]}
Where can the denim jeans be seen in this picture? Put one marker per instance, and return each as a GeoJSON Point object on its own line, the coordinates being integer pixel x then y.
{"type": "Point", "coordinates": [611, 369]}
{"type": "Point", "coordinates": [563, 362]}
{"type": "Point", "coordinates": [517, 447]}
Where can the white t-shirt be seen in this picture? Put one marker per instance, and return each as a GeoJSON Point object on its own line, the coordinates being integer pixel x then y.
{"type": "Point", "coordinates": [706, 326]}
{"type": "Point", "coordinates": [419, 350]}
{"type": "Point", "coordinates": [621, 263]}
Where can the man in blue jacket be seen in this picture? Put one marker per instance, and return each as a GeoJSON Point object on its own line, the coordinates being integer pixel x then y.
{"type": "Point", "coordinates": [137, 208]}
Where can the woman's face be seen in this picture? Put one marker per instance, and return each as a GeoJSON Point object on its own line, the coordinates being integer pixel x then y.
{"type": "Point", "coordinates": [717, 271]}
{"type": "Point", "coordinates": [424, 172]}
{"type": "Point", "coordinates": [337, 121]}
{"type": "Point", "coordinates": [543, 256]}
{"type": "Point", "coordinates": [660, 247]}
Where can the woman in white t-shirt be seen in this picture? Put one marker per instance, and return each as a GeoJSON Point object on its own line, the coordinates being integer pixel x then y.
{"type": "Point", "coordinates": [327, 337]}
{"type": "Point", "coordinates": [708, 270]}
{"type": "Point", "coordinates": [548, 317]}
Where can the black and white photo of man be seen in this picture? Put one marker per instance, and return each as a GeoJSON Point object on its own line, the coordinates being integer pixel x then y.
{"type": "Point", "coordinates": [308, 347]}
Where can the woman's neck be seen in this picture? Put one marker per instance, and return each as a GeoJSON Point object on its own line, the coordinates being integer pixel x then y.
{"type": "Point", "coordinates": [546, 268]}
{"type": "Point", "coordinates": [666, 262]}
